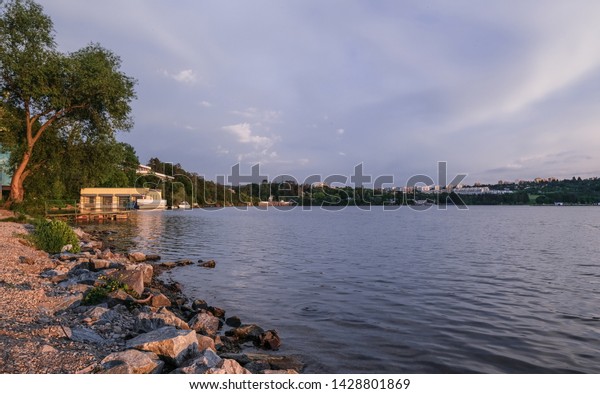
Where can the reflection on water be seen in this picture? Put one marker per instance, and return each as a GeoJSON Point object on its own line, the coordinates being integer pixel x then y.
{"type": "Point", "coordinates": [493, 289]}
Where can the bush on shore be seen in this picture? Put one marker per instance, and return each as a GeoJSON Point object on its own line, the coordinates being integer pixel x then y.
{"type": "Point", "coordinates": [54, 235]}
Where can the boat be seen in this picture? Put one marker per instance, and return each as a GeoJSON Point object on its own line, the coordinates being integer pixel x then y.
{"type": "Point", "coordinates": [151, 201]}
{"type": "Point", "coordinates": [184, 205]}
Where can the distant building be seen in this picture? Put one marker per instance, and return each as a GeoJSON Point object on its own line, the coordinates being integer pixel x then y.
{"type": "Point", "coordinates": [146, 170]}
{"type": "Point", "coordinates": [114, 199]}
{"type": "Point", "coordinates": [472, 190]}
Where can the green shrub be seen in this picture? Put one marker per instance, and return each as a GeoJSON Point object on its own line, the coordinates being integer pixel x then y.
{"type": "Point", "coordinates": [99, 292]}
{"type": "Point", "coordinates": [54, 235]}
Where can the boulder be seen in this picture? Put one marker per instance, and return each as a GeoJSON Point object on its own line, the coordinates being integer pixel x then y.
{"type": "Point", "coordinates": [229, 367]}
{"type": "Point", "coordinates": [152, 257]}
{"type": "Point", "coordinates": [227, 344]}
{"type": "Point", "coordinates": [208, 264]}
{"type": "Point", "coordinates": [202, 364]}
{"type": "Point", "coordinates": [285, 363]}
{"type": "Point", "coordinates": [205, 342]}
{"type": "Point", "coordinates": [136, 257]}
{"type": "Point", "coordinates": [269, 340]}
{"type": "Point", "coordinates": [246, 333]}
{"type": "Point", "coordinates": [100, 314]}
{"type": "Point", "coordinates": [59, 278]}
{"type": "Point", "coordinates": [233, 321]}
{"type": "Point", "coordinates": [168, 264]}
{"type": "Point", "coordinates": [159, 300]}
{"type": "Point", "coordinates": [183, 262]}
{"type": "Point", "coordinates": [217, 312]}
{"type": "Point", "coordinates": [150, 321]}
{"type": "Point", "coordinates": [257, 366]}
{"type": "Point", "coordinates": [87, 335]}
{"type": "Point", "coordinates": [98, 264]}
{"type": "Point", "coordinates": [146, 269]}
{"type": "Point", "coordinates": [169, 343]}
{"type": "Point", "coordinates": [107, 254]}
{"type": "Point", "coordinates": [134, 279]}
{"type": "Point", "coordinates": [204, 323]}
{"type": "Point", "coordinates": [119, 297]}
{"type": "Point", "coordinates": [131, 362]}
{"type": "Point", "coordinates": [199, 305]}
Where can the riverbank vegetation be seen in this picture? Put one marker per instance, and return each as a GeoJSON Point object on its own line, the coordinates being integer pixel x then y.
{"type": "Point", "coordinates": [59, 111]}
{"type": "Point", "coordinates": [193, 188]}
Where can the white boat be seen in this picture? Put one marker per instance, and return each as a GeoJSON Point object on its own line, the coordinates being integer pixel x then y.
{"type": "Point", "coordinates": [151, 201]}
{"type": "Point", "coordinates": [184, 205]}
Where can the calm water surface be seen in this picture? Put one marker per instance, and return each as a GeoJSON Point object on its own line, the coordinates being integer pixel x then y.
{"type": "Point", "coordinates": [491, 289]}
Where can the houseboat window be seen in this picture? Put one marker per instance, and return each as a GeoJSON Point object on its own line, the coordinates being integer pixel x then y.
{"type": "Point", "coordinates": [107, 202]}
{"type": "Point", "coordinates": [123, 201]}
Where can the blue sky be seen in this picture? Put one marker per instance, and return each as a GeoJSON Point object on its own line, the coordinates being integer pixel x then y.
{"type": "Point", "coordinates": [500, 90]}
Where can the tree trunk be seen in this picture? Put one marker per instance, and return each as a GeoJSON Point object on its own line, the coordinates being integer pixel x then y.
{"type": "Point", "coordinates": [17, 193]}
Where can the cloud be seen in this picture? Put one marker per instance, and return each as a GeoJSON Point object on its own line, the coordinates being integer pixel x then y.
{"type": "Point", "coordinates": [340, 131]}
{"type": "Point", "coordinates": [206, 104]}
{"type": "Point", "coordinates": [245, 136]}
{"type": "Point", "coordinates": [254, 114]}
{"type": "Point", "coordinates": [184, 76]}
{"type": "Point", "coordinates": [221, 151]}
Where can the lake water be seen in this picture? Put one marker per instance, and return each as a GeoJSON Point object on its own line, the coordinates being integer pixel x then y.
{"type": "Point", "coordinates": [491, 289]}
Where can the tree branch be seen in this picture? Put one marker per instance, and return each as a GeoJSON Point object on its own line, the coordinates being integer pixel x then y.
{"type": "Point", "coordinates": [59, 114]}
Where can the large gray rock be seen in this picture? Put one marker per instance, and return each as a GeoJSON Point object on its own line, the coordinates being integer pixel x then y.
{"type": "Point", "coordinates": [205, 342]}
{"type": "Point", "coordinates": [119, 297]}
{"type": "Point", "coordinates": [132, 362]}
{"type": "Point", "coordinates": [133, 278]}
{"type": "Point", "coordinates": [159, 300]}
{"type": "Point", "coordinates": [169, 343]}
{"type": "Point", "coordinates": [137, 257]}
{"type": "Point", "coordinates": [101, 314]}
{"type": "Point", "coordinates": [202, 364]}
{"type": "Point", "coordinates": [284, 362]}
{"type": "Point", "coordinates": [86, 335]}
{"type": "Point", "coordinates": [229, 367]}
{"type": "Point", "coordinates": [150, 321]}
{"type": "Point", "coordinates": [246, 332]}
{"type": "Point", "coordinates": [98, 264]}
{"type": "Point", "coordinates": [205, 324]}
{"type": "Point", "coordinates": [269, 340]}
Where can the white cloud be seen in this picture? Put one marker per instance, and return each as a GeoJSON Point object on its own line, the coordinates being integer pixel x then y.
{"type": "Point", "coordinates": [222, 151]}
{"type": "Point", "coordinates": [257, 115]}
{"type": "Point", "coordinates": [206, 104]}
{"type": "Point", "coordinates": [244, 135]}
{"type": "Point", "coordinates": [184, 76]}
{"type": "Point", "coordinates": [340, 131]}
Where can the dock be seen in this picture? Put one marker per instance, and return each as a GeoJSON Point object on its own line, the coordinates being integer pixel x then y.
{"type": "Point", "coordinates": [71, 210]}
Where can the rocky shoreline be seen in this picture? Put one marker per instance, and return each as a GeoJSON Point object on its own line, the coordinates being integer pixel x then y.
{"type": "Point", "coordinates": [98, 311]}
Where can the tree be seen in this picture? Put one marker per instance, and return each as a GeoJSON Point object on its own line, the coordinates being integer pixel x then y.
{"type": "Point", "coordinates": [48, 91]}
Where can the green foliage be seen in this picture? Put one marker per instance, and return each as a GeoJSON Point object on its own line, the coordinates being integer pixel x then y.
{"type": "Point", "coordinates": [63, 107]}
{"type": "Point", "coordinates": [52, 236]}
{"type": "Point", "coordinates": [99, 293]}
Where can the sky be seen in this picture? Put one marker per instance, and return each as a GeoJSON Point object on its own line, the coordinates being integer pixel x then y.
{"type": "Point", "coordinates": [499, 90]}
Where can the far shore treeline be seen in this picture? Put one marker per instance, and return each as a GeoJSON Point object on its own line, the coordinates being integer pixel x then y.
{"type": "Point", "coordinates": [195, 189]}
